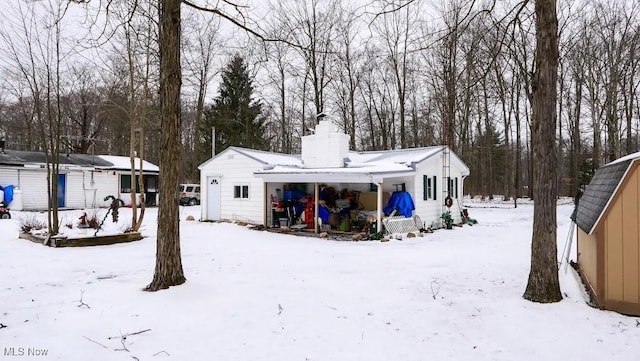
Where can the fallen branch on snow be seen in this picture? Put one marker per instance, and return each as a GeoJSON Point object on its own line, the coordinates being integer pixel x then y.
{"type": "Point", "coordinates": [94, 341]}
{"type": "Point", "coordinates": [123, 338]}
{"type": "Point", "coordinates": [81, 301]}
{"type": "Point", "coordinates": [435, 290]}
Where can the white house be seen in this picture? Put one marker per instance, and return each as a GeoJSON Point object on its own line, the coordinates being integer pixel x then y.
{"type": "Point", "coordinates": [241, 183]}
{"type": "Point", "coordinates": [84, 180]}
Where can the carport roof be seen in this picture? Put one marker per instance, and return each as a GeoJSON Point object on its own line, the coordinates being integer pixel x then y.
{"type": "Point", "coordinates": [362, 173]}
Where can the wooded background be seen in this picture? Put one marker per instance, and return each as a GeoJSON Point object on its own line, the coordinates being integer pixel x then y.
{"type": "Point", "coordinates": [451, 72]}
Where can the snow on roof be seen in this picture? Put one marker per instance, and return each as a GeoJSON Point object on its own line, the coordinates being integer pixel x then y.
{"type": "Point", "coordinates": [375, 162]}
{"type": "Point", "coordinates": [372, 168]}
{"type": "Point", "coordinates": [122, 163]}
{"type": "Point", "coordinates": [631, 156]}
{"type": "Point", "coordinates": [272, 159]}
{"type": "Point", "coordinates": [406, 156]}
{"type": "Point", "coordinates": [357, 163]}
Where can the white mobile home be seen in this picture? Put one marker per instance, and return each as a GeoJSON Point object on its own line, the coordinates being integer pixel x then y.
{"type": "Point", "coordinates": [244, 184]}
{"type": "Point", "coordinates": [84, 180]}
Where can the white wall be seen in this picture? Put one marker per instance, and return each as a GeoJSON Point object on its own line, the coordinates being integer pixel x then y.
{"type": "Point", "coordinates": [33, 184]}
{"type": "Point", "coordinates": [8, 176]}
{"type": "Point", "coordinates": [107, 184]}
{"type": "Point", "coordinates": [431, 210]}
{"type": "Point", "coordinates": [235, 169]}
{"type": "Point", "coordinates": [87, 189]}
{"type": "Point", "coordinates": [84, 188]}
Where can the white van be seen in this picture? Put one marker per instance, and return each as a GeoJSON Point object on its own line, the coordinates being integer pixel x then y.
{"type": "Point", "coordinates": [189, 194]}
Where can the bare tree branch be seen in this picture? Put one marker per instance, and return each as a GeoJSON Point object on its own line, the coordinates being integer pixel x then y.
{"type": "Point", "coordinates": [241, 25]}
{"type": "Point", "coordinates": [94, 341]}
{"type": "Point", "coordinates": [393, 10]}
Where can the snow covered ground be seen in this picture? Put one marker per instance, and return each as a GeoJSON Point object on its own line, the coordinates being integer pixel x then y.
{"type": "Point", "coordinates": [252, 295]}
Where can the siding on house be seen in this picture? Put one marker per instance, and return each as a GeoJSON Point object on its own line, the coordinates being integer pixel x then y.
{"type": "Point", "coordinates": [87, 189]}
{"type": "Point", "coordinates": [238, 171]}
{"type": "Point", "coordinates": [432, 209]}
{"type": "Point", "coordinates": [107, 182]}
{"type": "Point", "coordinates": [622, 248]}
{"type": "Point", "coordinates": [88, 179]}
{"type": "Point", "coordinates": [609, 236]}
{"type": "Point", "coordinates": [9, 176]}
{"type": "Point", "coordinates": [33, 184]}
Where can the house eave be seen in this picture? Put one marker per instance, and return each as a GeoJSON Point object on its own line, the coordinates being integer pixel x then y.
{"type": "Point", "coordinates": [328, 177]}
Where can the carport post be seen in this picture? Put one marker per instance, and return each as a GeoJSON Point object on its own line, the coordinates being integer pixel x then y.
{"type": "Point", "coordinates": [379, 208]}
{"type": "Point", "coordinates": [315, 207]}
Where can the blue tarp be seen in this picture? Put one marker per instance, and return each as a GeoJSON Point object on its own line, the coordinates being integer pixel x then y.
{"type": "Point", "coordinates": [323, 213]}
{"type": "Point", "coordinates": [401, 201]}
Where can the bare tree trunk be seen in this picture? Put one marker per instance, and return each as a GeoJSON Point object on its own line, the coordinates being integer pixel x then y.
{"type": "Point", "coordinates": [133, 119]}
{"type": "Point", "coordinates": [168, 271]}
{"type": "Point", "coordinates": [488, 141]}
{"type": "Point", "coordinates": [576, 147]}
{"type": "Point", "coordinates": [518, 172]}
{"type": "Point", "coordinates": [543, 284]}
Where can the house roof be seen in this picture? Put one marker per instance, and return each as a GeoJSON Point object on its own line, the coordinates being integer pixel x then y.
{"type": "Point", "coordinates": [21, 158]}
{"type": "Point", "coordinates": [266, 158]}
{"type": "Point", "coordinates": [18, 158]}
{"type": "Point", "coordinates": [407, 156]}
{"type": "Point", "coordinates": [599, 193]}
{"type": "Point", "coordinates": [124, 163]}
{"type": "Point", "coordinates": [370, 166]}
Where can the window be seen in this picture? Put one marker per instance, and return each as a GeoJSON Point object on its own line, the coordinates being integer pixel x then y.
{"type": "Point", "coordinates": [427, 189]}
{"type": "Point", "coordinates": [190, 189]}
{"type": "Point", "coordinates": [198, 189]}
{"type": "Point", "coordinates": [125, 183]}
{"type": "Point", "coordinates": [241, 191]}
{"type": "Point", "coordinates": [151, 183]}
{"type": "Point", "coordinates": [453, 187]}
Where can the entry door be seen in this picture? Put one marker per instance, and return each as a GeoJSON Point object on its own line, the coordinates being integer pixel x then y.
{"type": "Point", "coordinates": [62, 190]}
{"type": "Point", "coordinates": [213, 198]}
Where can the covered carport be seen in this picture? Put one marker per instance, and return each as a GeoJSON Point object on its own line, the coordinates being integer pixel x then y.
{"type": "Point", "coordinates": [376, 174]}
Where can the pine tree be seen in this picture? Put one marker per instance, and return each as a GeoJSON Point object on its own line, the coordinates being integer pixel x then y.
{"type": "Point", "coordinates": [236, 116]}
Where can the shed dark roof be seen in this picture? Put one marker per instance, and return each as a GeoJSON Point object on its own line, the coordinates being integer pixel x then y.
{"type": "Point", "coordinates": [598, 193]}
{"type": "Point", "coordinates": [20, 158]}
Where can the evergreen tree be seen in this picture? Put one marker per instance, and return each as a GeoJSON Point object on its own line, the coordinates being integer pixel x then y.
{"type": "Point", "coordinates": [237, 117]}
